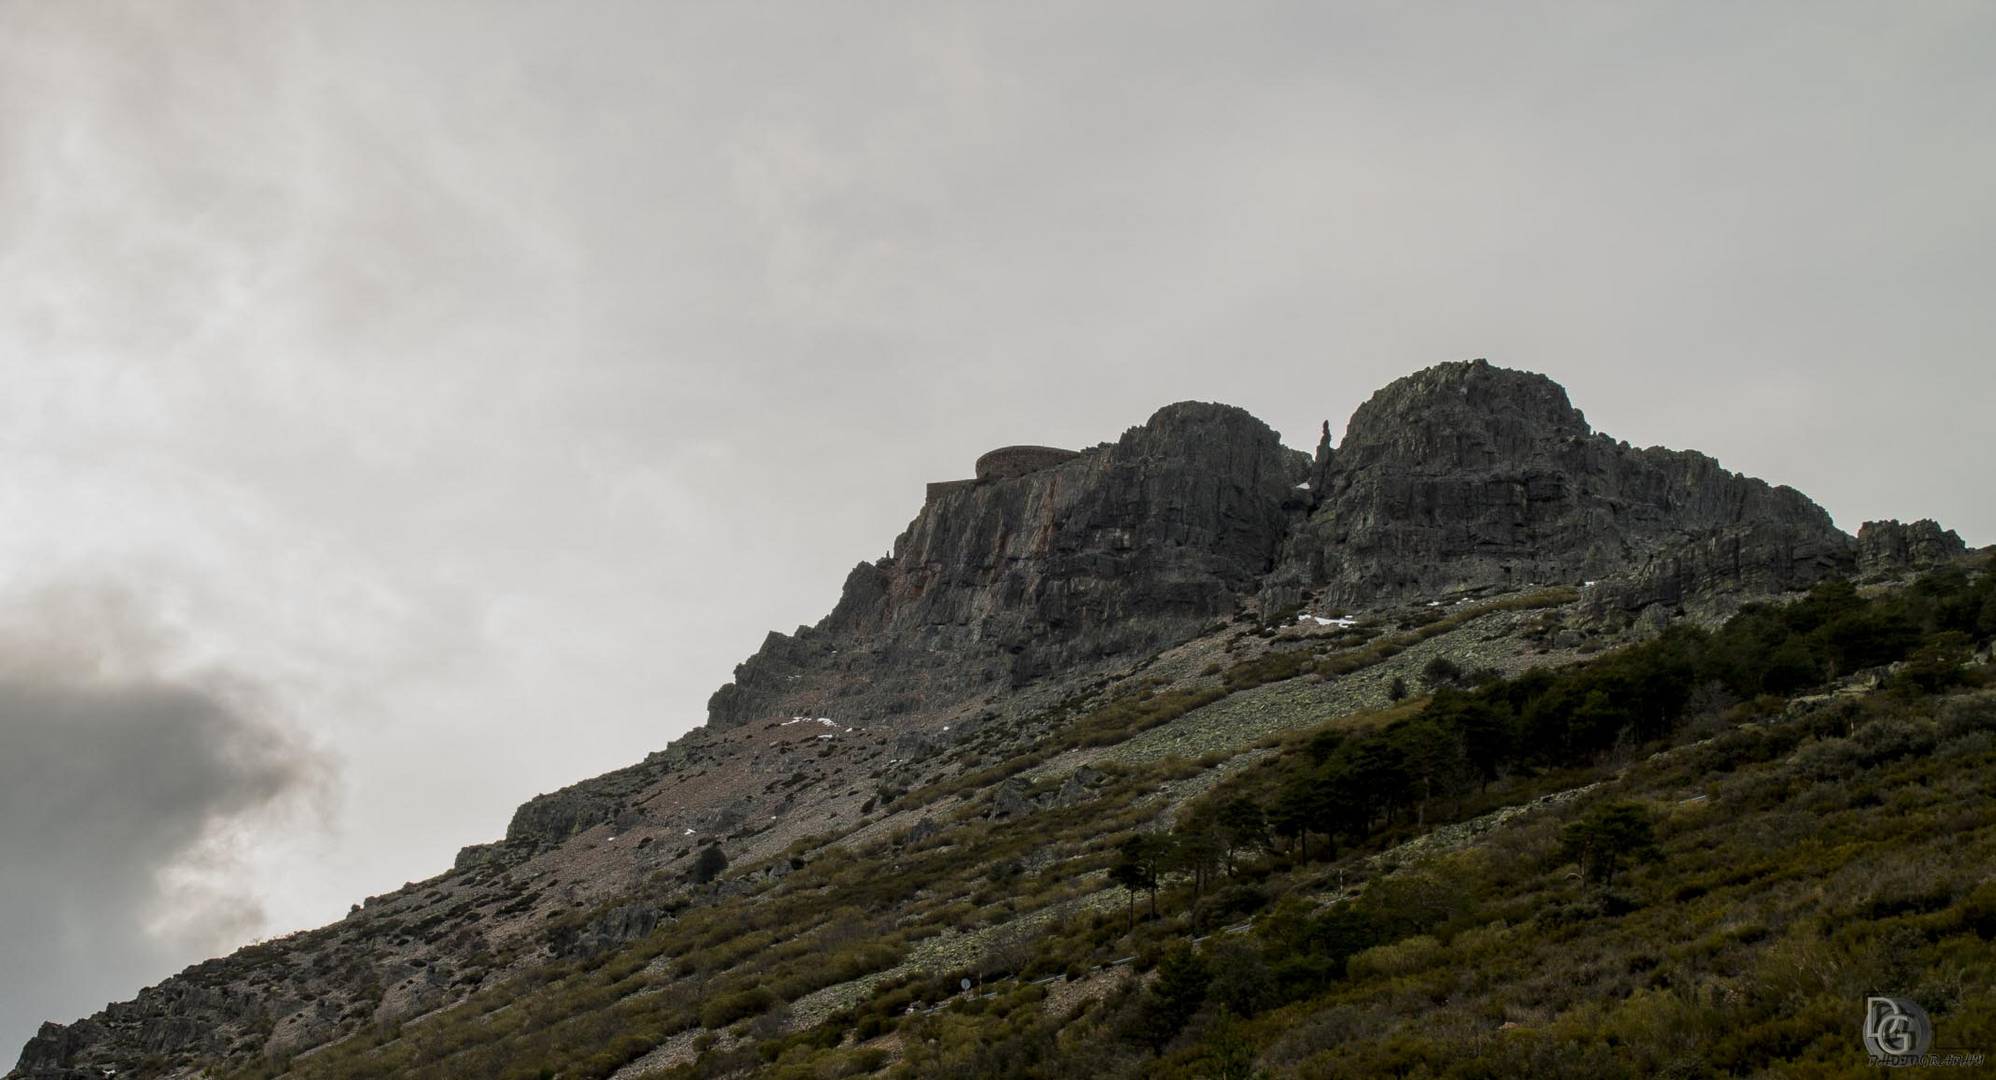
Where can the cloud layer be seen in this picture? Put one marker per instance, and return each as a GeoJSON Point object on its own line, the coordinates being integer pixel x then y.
{"type": "Point", "coordinates": [125, 790]}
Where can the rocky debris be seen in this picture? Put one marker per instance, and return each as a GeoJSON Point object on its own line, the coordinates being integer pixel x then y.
{"type": "Point", "coordinates": [305, 1028]}
{"type": "Point", "coordinates": [914, 746]}
{"type": "Point", "coordinates": [1014, 798]}
{"type": "Point", "coordinates": [1467, 475]}
{"type": "Point", "coordinates": [185, 1015]}
{"type": "Point", "coordinates": [1078, 787]}
{"type": "Point", "coordinates": [626, 922]}
{"type": "Point", "coordinates": [1888, 547]}
{"type": "Point", "coordinates": [1447, 838]}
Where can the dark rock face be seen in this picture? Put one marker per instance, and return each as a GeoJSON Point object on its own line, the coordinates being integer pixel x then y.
{"type": "Point", "coordinates": [52, 1053]}
{"type": "Point", "coordinates": [1888, 547]}
{"type": "Point", "coordinates": [625, 923]}
{"type": "Point", "coordinates": [1725, 565]}
{"type": "Point", "coordinates": [183, 1015]}
{"type": "Point", "coordinates": [1467, 475]}
{"type": "Point", "coordinates": [546, 820]}
{"type": "Point", "coordinates": [1105, 554]}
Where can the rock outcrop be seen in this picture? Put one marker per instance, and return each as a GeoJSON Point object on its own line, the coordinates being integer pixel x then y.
{"type": "Point", "coordinates": [1468, 476]}
{"type": "Point", "coordinates": [1888, 547]}
{"type": "Point", "coordinates": [1106, 554]}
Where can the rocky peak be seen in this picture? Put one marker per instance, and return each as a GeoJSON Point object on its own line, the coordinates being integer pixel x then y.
{"type": "Point", "coordinates": [1466, 476]}
{"type": "Point", "coordinates": [1459, 417]}
{"type": "Point", "coordinates": [1066, 563]}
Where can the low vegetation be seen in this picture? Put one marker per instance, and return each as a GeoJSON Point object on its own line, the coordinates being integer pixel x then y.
{"type": "Point", "coordinates": [1739, 833]}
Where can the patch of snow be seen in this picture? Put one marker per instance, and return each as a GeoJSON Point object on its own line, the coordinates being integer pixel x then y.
{"type": "Point", "coordinates": [1434, 603]}
{"type": "Point", "coordinates": [1586, 584]}
{"type": "Point", "coordinates": [689, 832]}
{"type": "Point", "coordinates": [612, 840]}
{"type": "Point", "coordinates": [1304, 486]}
{"type": "Point", "coordinates": [1342, 622]}
{"type": "Point", "coordinates": [826, 735]}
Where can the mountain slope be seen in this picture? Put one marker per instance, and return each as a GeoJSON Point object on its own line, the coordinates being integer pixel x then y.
{"type": "Point", "coordinates": [1070, 648]}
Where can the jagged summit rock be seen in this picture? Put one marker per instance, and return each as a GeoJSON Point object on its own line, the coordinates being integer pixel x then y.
{"type": "Point", "coordinates": [1046, 563]}
{"type": "Point", "coordinates": [1468, 475]}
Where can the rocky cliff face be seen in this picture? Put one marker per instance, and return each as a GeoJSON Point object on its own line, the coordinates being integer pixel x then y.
{"type": "Point", "coordinates": [1109, 554]}
{"type": "Point", "coordinates": [1888, 547]}
{"type": "Point", "coordinates": [1468, 476]}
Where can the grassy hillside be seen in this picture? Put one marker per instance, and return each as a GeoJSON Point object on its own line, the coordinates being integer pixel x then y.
{"type": "Point", "coordinates": [1693, 856]}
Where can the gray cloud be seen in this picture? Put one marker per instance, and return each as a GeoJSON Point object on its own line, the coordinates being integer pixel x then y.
{"type": "Point", "coordinates": [122, 786]}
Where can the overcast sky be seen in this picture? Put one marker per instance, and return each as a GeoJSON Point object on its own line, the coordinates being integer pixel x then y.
{"type": "Point", "coordinates": [409, 407]}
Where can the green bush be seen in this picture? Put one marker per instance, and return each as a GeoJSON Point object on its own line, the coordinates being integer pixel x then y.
{"type": "Point", "coordinates": [728, 1008]}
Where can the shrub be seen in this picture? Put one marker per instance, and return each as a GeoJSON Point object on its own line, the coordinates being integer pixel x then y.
{"type": "Point", "coordinates": [1893, 738]}
{"type": "Point", "coordinates": [710, 864]}
{"type": "Point", "coordinates": [1441, 671]}
{"type": "Point", "coordinates": [1607, 838]}
{"type": "Point", "coordinates": [1968, 713]}
{"type": "Point", "coordinates": [725, 1009]}
{"type": "Point", "coordinates": [1403, 957]}
{"type": "Point", "coordinates": [1826, 759]}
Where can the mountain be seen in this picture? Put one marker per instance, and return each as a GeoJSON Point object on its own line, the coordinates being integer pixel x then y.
{"type": "Point", "coordinates": [1465, 617]}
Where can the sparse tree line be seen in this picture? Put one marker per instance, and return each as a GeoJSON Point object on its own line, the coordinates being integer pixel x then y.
{"type": "Point", "coordinates": [1345, 788]}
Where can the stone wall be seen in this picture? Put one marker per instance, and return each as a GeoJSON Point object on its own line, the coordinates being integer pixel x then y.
{"type": "Point", "coordinates": [943, 487]}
